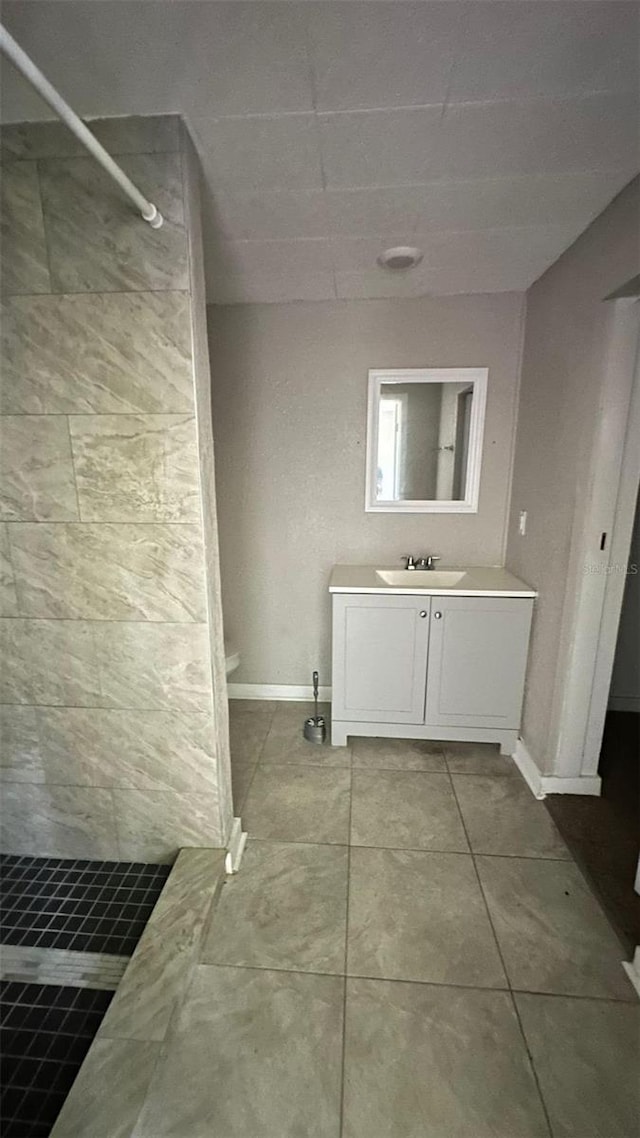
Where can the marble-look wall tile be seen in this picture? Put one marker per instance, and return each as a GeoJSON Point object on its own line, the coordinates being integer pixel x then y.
{"type": "Point", "coordinates": [48, 662]}
{"type": "Point", "coordinates": [147, 750]}
{"type": "Point", "coordinates": [25, 267]}
{"type": "Point", "coordinates": [36, 470]}
{"type": "Point", "coordinates": [20, 755]}
{"type": "Point", "coordinates": [117, 353]}
{"type": "Point", "coordinates": [163, 666]}
{"type": "Point", "coordinates": [204, 420]}
{"type": "Point", "coordinates": [136, 468]}
{"type": "Point", "coordinates": [58, 821]}
{"type": "Point", "coordinates": [97, 240]}
{"type": "Point", "coordinates": [109, 572]}
{"type": "Point", "coordinates": [8, 595]}
{"type": "Point", "coordinates": [152, 824]}
{"type": "Point", "coordinates": [134, 134]}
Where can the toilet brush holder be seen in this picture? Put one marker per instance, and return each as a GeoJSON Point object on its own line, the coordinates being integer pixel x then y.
{"type": "Point", "coordinates": [315, 728]}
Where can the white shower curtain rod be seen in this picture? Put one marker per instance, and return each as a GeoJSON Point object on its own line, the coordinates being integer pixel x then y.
{"type": "Point", "coordinates": [26, 67]}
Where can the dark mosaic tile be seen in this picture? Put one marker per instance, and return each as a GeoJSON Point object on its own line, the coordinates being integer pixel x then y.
{"type": "Point", "coordinates": [46, 1033]}
{"type": "Point", "coordinates": [79, 905]}
{"type": "Point", "coordinates": [47, 1030]}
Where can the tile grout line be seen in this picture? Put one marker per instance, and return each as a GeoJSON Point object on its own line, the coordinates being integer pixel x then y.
{"type": "Point", "coordinates": [423, 983]}
{"type": "Point", "coordinates": [346, 952]}
{"type": "Point", "coordinates": [504, 968]}
{"type": "Point", "coordinates": [331, 845]}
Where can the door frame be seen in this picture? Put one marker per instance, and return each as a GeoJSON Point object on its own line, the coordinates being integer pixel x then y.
{"type": "Point", "coordinates": [591, 631]}
{"type": "Point", "coordinates": [621, 535]}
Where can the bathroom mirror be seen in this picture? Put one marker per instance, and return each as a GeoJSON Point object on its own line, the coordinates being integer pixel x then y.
{"type": "Point", "coordinates": [424, 440]}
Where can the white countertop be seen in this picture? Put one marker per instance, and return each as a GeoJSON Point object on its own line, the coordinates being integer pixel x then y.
{"type": "Point", "coordinates": [478, 581]}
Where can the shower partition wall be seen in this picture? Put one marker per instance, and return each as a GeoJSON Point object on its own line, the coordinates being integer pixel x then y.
{"type": "Point", "coordinates": [113, 716]}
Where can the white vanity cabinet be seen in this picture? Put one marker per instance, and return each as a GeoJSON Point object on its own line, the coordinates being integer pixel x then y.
{"type": "Point", "coordinates": [380, 649]}
{"type": "Point", "coordinates": [429, 667]}
{"type": "Point", "coordinates": [477, 660]}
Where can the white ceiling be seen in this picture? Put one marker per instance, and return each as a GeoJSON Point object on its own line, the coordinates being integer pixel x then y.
{"type": "Point", "coordinates": [488, 132]}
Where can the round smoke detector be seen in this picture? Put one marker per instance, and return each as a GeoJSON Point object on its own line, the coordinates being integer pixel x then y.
{"type": "Point", "coordinates": [401, 258]}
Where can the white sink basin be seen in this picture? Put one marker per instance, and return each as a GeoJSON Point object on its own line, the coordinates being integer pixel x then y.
{"type": "Point", "coordinates": [421, 578]}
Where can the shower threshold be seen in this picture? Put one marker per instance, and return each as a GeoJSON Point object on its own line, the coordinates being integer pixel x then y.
{"type": "Point", "coordinates": [67, 931]}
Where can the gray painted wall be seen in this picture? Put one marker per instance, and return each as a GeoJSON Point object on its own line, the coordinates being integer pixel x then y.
{"type": "Point", "coordinates": [110, 744]}
{"type": "Point", "coordinates": [561, 389]}
{"type": "Point", "coordinates": [289, 406]}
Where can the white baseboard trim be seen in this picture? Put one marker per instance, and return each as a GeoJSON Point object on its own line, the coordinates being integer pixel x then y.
{"type": "Point", "coordinates": [528, 769]}
{"type": "Point", "coordinates": [624, 703]}
{"type": "Point", "coordinates": [585, 784]}
{"type": "Point", "coordinates": [541, 785]}
{"type": "Point", "coordinates": [235, 849]}
{"type": "Point", "coordinates": [633, 970]}
{"type": "Point", "coordinates": [277, 691]}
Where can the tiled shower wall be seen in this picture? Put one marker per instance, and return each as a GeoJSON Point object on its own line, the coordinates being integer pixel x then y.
{"type": "Point", "coordinates": [111, 747]}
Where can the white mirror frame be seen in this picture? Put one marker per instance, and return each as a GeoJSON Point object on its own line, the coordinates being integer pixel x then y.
{"type": "Point", "coordinates": [467, 505]}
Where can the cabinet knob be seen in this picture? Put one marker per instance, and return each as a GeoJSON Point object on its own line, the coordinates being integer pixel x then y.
{"type": "Point", "coordinates": [423, 613]}
{"type": "Point", "coordinates": [437, 616]}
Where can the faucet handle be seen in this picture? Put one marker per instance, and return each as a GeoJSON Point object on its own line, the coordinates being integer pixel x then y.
{"type": "Point", "coordinates": [430, 560]}
{"type": "Point", "coordinates": [410, 561]}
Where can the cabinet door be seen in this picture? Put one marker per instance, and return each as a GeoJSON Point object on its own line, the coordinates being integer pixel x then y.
{"type": "Point", "coordinates": [477, 661]}
{"type": "Point", "coordinates": [379, 657]}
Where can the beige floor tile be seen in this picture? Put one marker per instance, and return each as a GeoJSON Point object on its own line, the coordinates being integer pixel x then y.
{"type": "Point", "coordinates": [419, 916]}
{"type": "Point", "coordinates": [298, 804]}
{"type": "Point", "coordinates": [241, 775]}
{"type": "Point", "coordinates": [478, 758]}
{"type": "Point", "coordinates": [92, 1110]}
{"type": "Point", "coordinates": [253, 1053]}
{"type": "Point", "coordinates": [552, 933]}
{"type": "Point", "coordinates": [502, 817]}
{"type": "Point", "coordinates": [247, 734]}
{"type": "Point", "coordinates": [286, 909]}
{"type": "Point", "coordinates": [398, 754]}
{"type": "Point", "coordinates": [261, 707]}
{"type": "Point", "coordinates": [587, 1058]}
{"type": "Point", "coordinates": [436, 1062]}
{"type": "Point", "coordinates": [249, 722]}
{"type": "Point", "coordinates": [285, 742]}
{"type": "Point", "coordinates": [405, 810]}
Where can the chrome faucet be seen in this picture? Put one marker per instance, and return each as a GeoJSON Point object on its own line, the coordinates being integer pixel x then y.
{"type": "Point", "coordinates": [420, 562]}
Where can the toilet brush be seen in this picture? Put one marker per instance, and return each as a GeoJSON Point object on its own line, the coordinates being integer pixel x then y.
{"type": "Point", "coordinates": [315, 729]}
